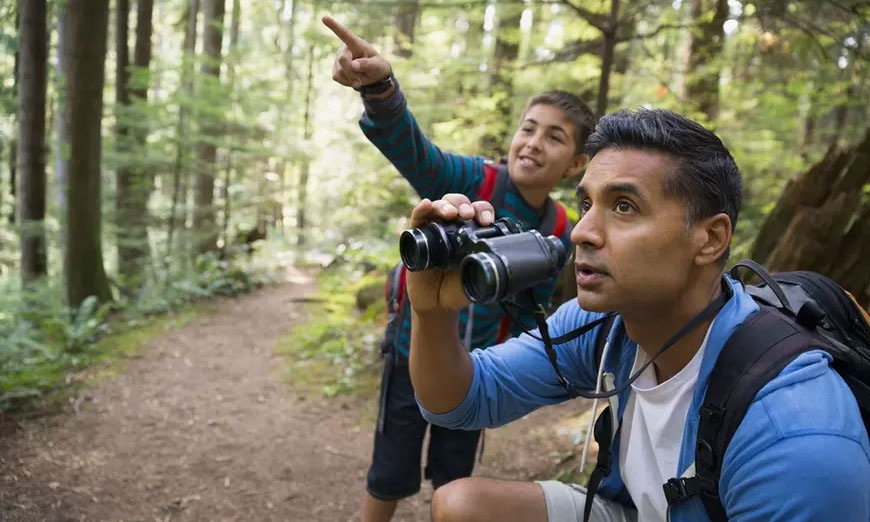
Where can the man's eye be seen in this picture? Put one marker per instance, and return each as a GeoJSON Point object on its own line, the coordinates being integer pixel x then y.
{"type": "Point", "coordinates": [624, 207]}
{"type": "Point", "coordinates": [584, 206]}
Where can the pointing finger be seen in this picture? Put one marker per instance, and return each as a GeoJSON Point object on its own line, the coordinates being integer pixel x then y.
{"type": "Point", "coordinates": [357, 45]}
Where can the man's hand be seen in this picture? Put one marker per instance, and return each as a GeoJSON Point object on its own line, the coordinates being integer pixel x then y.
{"type": "Point", "coordinates": [435, 290]}
{"type": "Point", "coordinates": [357, 62]}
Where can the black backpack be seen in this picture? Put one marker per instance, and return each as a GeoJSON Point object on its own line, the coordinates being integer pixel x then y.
{"type": "Point", "coordinates": [799, 311]}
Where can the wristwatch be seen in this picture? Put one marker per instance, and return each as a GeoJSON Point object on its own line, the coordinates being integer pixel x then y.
{"type": "Point", "coordinates": [378, 87]}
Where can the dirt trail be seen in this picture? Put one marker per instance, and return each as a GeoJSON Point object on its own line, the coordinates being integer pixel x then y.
{"type": "Point", "coordinates": [204, 426]}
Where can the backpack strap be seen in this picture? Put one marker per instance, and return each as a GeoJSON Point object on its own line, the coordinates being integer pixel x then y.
{"type": "Point", "coordinates": [496, 182]}
{"type": "Point", "coordinates": [604, 426]}
{"type": "Point", "coordinates": [758, 350]}
{"type": "Point", "coordinates": [394, 295]}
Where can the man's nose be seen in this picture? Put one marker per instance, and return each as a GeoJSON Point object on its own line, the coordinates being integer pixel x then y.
{"type": "Point", "coordinates": [588, 231]}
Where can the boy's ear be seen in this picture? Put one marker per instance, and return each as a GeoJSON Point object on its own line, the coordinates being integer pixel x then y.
{"type": "Point", "coordinates": [577, 166]}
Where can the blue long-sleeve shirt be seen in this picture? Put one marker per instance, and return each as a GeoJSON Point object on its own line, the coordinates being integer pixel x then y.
{"type": "Point", "coordinates": [432, 172]}
{"type": "Point", "coordinates": [800, 454]}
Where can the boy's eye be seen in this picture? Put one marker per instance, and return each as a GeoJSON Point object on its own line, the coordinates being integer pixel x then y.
{"type": "Point", "coordinates": [556, 138]}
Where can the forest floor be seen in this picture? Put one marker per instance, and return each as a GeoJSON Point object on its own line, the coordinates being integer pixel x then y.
{"type": "Point", "coordinates": [204, 424]}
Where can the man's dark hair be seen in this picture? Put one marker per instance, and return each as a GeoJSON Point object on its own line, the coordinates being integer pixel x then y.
{"type": "Point", "coordinates": [706, 179]}
{"type": "Point", "coordinates": [576, 109]}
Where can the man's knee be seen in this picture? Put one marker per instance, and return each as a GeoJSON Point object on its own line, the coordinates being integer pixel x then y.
{"type": "Point", "coordinates": [454, 502]}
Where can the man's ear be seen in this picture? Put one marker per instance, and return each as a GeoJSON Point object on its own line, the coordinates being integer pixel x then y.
{"type": "Point", "coordinates": [577, 165]}
{"type": "Point", "coordinates": [712, 238]}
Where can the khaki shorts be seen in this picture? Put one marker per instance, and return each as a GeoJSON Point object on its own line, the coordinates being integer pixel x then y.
{"type": "Point", "coordinates": [566, 502]}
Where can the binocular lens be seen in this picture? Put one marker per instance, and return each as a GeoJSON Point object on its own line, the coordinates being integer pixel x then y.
{"type": "Point", "coordinates": [483, 278]}
{"type": "Point", "coordinates": [414, 249]}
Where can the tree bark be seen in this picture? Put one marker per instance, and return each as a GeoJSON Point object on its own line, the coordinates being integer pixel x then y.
{"type": "Point", "coordinates": [133, 180]}
{"type": "Point", "coordinates": [86, 42]}
{"type": "Point", "coordinates": [235, 22]}
{"type": "Point", "coordinates": [607, 52]}
{"type": "Point", "coordinates": [61, 124]}
{"type": "Point", "coordinates": [179, 170]}
{"type": "Point", "coordinates": [204, 216]}
{"type": "Point", "coordinates": [302, 199]}
{"type": "Point", "coordinates": [405, 20]}
{"type": "Point", "coordinates": [501, 78]}
{"type": "Point", "coordinates": [820, 222]}
{"type": "Point", "coordinates": [32, 73]}
{"type": "Point", "coordinates": [706, 39]}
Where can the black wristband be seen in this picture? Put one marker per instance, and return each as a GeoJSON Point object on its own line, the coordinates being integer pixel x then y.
{"type": "Point", "coordinates": [378, 87]}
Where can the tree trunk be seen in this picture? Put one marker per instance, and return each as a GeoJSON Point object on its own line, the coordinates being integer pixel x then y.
{"type": "Point", "coordinates": [61, 124]}
{"type": "Point", "coordinates": [609, 35]}
{"type": "Point", "coordinates": [13, 144]}
{"type": "Point", "coordinates": [287, 52]}
{"type": "Point", "coordinates": [302, 200]}
{"type": "Point", "coordinates": [501, 79]}
{"type": "Point", "coordinates": [704, 47]}
{"type": "Point", "coordinates": [32, 74]}
{"type": "Point", "coordinates": [235, 21]}
{"type": "Point", "coordinates": [179, 170]}
{"type": "Point", "coordinates": [86, 41]}
{"type": "Point", "coordinates": [133, 181]}
{"type": "Point", "coordinates": [405, 20]}
{"type": "Point", "coordinates": [204, 221]}
{"type": "Point", "coordinates": [820, 222]}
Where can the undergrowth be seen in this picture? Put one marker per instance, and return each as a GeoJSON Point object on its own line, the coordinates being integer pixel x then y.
{"type": "Point", "coordinates": [44, 344]}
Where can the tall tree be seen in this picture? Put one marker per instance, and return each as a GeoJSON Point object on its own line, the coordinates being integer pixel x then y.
{"type": "Point", "coordinates": [204, 221]}
{"type": "Point", "coordinates": [86, 41]}
{"type": "Point", "coordinates": [304, 170]}
{"type": "Point", "coordinates": [133, 182]}
{"type": "Point", "coordinates": [405, 19]}
{"type": "Point", "coordinates": [32, 74]}
{"type": "Point", "coordinates": [704, 43]}
{"type": "Point", "coordinates": [235, 22]}
{"type": "Point", "coordinates": [61, 124]}
{"type": "Point", "coordinates": [182, 126]}
{"type": "Point", "coordinates": [501, 77]}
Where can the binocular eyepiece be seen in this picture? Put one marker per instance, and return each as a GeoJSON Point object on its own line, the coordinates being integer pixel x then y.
{"type": "Point", "coordinates": [494, 262]}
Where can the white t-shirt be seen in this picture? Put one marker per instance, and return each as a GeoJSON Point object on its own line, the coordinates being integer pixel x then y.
{"type": "Point", "coordinates": [652, 433]}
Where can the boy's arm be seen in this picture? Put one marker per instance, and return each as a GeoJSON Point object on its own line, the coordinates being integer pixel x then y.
{"type": "Point", "coordinates": [390, 126]}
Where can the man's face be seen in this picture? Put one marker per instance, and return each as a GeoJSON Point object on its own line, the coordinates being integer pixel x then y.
{"type": "Point", "coordinates": [634, 254]}
{"type": "Point", "coordinates": [543, 149]}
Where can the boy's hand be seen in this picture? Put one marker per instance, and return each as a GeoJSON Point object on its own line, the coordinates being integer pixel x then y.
{"type": "Point", "coordinates": [357, 63]}
{"type": "Point", "coordinates": [435, 290]}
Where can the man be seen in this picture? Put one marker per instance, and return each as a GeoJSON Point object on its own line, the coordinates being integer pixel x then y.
{"type": "Point", "coordinates": [547, 147]}
{"type": "Point", "coordinates": [658, 204]}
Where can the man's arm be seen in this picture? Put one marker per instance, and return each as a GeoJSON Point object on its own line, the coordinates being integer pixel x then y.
{"type": "Point", "coordinates": [812, 477]}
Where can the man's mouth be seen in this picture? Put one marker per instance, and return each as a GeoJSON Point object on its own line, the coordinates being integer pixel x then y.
{"type": "Point", "coordinates": [588, 274]}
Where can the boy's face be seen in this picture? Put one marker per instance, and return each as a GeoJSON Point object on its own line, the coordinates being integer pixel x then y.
{"type": "Point", "coordinates": [634, 254]}
{"type": "Point", "coordinates": [542, 151]}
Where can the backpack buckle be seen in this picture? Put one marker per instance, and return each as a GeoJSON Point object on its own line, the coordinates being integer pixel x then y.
{"type": "Point", "coordinates": [679, 490]}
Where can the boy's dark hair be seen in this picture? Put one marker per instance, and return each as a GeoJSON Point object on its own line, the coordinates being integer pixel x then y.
{"type": "Point", "coordinates": [576, 109]}
{"type": "Point", "coordinates": [706, 180]}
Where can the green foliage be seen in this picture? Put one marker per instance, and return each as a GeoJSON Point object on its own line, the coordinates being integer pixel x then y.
{"type": "Point", "coordinates": [336, 350]}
